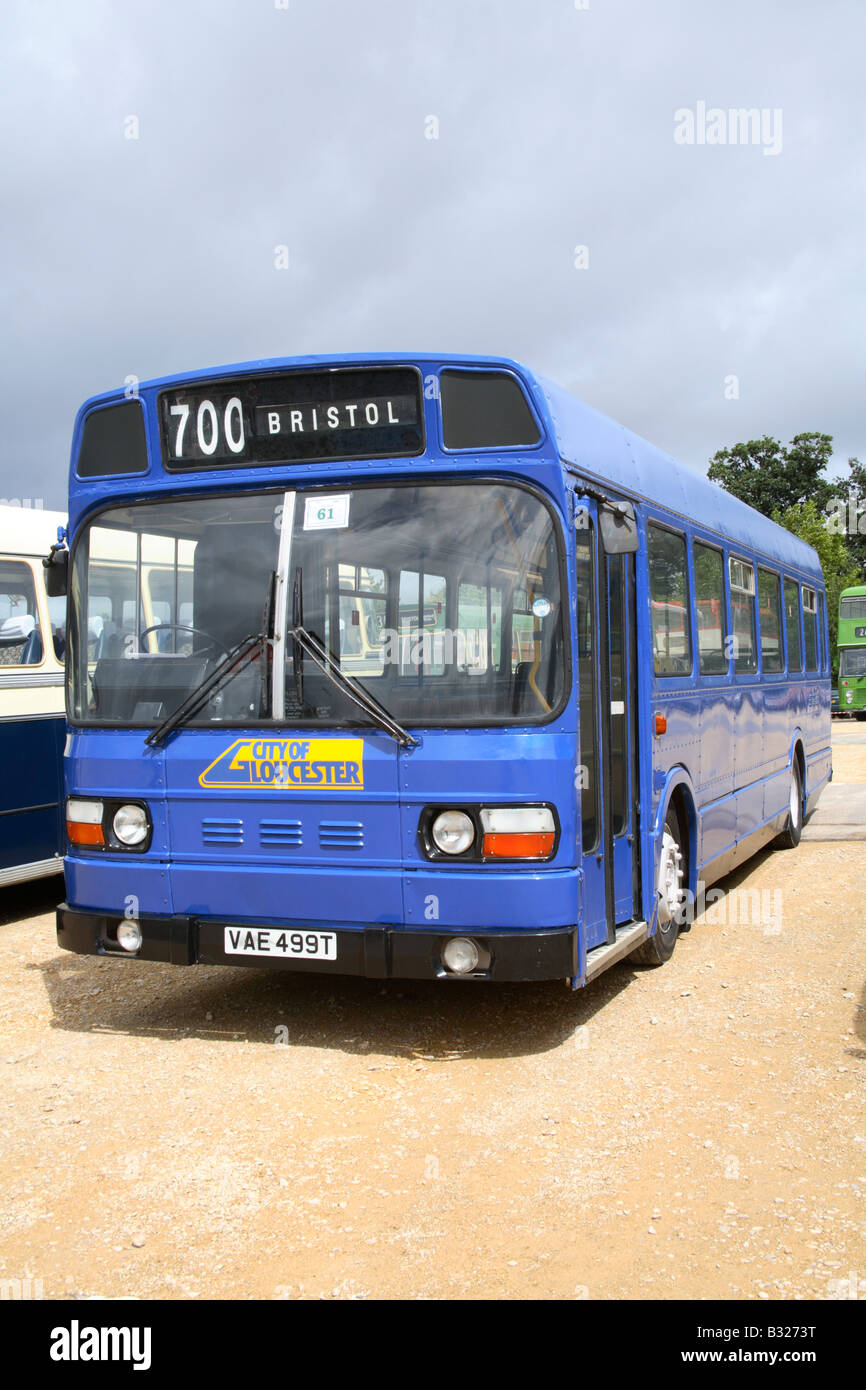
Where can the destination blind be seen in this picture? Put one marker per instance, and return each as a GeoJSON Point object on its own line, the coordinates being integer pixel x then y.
{"type": "Point", "coordinates": [292, 417]}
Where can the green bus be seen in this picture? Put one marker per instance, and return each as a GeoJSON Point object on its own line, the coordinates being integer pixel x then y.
{"type": "Point", "coordinates": [852, 651]}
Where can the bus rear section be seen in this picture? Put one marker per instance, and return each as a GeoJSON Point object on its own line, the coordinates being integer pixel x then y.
{"type": "Point", "coordinates": [329, 730]}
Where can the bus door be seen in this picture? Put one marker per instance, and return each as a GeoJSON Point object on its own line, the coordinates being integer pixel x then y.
{"type": "Point", "coordinates": [606, 670]}
{"type": "Point", "coordinates": [623, 762]}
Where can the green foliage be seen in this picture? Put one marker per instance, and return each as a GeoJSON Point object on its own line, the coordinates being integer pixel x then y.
{"type": "Point", "coordinates": [848, 513]}
{"type": "Point", "coordinates": [770, 476]}
{"type": "Point", "coordinates": [840, 570]}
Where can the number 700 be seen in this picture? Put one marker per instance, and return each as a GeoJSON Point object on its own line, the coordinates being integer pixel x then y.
{"type": "Point", "coordinates": [206, 429]}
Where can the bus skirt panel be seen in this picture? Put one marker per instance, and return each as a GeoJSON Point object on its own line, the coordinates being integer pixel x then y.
{"type": "Point", "coordinates": [375, 951]}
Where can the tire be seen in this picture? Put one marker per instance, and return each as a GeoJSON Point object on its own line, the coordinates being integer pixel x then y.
{"type": "Point", "coordinates": [671, 895]}
{"type": "Point", "coordinates": [790, 836]}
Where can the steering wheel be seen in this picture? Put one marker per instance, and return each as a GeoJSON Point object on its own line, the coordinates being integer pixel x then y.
{"type": "Point", "coordinates": [182, 627]}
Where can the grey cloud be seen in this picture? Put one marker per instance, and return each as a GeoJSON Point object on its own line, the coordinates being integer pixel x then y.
{"type": "Point", "coordinates": [261, 127]}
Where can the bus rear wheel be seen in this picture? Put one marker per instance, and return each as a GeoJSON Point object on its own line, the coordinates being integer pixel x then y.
{"type": "Point", "coordinates": [671, 896]}
{"type": "Point", "coordinates": [790, 836]}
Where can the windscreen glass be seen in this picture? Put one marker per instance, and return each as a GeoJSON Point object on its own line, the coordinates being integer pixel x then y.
{"type": "Point", "coordinates": [160, 594]}
{"type": "Point", "coordinates": [443, 602]}
{"type": "Point", "coordinates": [852, 661]}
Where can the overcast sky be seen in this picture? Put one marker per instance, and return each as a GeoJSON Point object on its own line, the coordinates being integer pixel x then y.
{"type": "Point", "coordinates": [307, 126]}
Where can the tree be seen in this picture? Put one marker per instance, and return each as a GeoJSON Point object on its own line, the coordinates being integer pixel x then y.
{"type": "Point", "coordinates": [847, 512]}
{"type": "Point", "coordinates": [840, 570]}
{"type": "Point", "coordinates": [772, 477]}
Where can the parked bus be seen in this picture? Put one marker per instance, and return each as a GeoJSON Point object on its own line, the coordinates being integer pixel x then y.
{"type": "Point", "coordinates": [457, 678]}
{"type": "Point", "coordinates": [32, 716]}
{"type": "Point", "coordinates": [851, 641]}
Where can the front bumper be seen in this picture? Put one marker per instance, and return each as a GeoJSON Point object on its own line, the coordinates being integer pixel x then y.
{"type": "Point", "coordinates": [376, 952]}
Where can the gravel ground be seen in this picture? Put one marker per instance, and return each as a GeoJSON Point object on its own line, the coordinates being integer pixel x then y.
{"type": "Point", "coordinates": [694, 1131]}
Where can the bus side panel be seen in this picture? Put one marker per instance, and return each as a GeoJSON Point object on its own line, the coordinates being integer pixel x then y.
{"type": "Point", "coordinates": [680, 744]}
{"type": "Point", "coordinates": [748, 730]}
{"type": "Point", "coordinates": [30, 790]}
{"type": "Point", "coordinates": [817, 727]}
{"type": "Point", "coordinates": [717, 814]}
{"type": "Point", "coordinates": [781, 702]}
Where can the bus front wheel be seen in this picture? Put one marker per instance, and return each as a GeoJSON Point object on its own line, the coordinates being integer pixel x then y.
{"type": "Point", "coordinates": [671, 896]}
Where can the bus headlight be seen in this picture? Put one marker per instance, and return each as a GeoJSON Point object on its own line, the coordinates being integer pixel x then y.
{"type": "Point", "coordinates": [131, 825]}
{"type": "Point", "coordinates": [452, 832]}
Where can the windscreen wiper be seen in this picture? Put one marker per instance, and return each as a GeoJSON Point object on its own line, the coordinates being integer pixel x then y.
{"type": "Point", "coordinates": [326, 664]}
{"type": "Point", "coordinates": [227, 668]}
{"type": "Point", "coordinates": [230, 665]}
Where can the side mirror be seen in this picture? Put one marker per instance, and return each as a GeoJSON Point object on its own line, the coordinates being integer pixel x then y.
{"type": "Point", "coordinates": [618, 527]}
{"type": "Point", "coordinates": [56, 566]}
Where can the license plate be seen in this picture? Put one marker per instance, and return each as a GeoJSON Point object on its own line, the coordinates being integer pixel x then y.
{"type": "Point", "coordinates": [284, 944]}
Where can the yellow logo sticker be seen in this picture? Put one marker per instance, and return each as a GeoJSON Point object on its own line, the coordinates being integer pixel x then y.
{"type": "Point", "coordinates": [289, 764]}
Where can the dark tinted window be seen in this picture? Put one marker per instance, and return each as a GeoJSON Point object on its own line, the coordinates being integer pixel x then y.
{"type": "Point", "coordinates": [113, 442]}
{"type": "Point", "coordinates": [743, 613]}
{"type": "Point", "coordinates": [771, 621]}
{"type": "Point", "coordinates": [852, 661]}
{"type": "Point", "coordinates": [712, 617]}
{"type": "Point", "coordinates": [485, 410]}
{"type": "Point", "coordinates": [20, 633]}
{"type": "Point", "coordinates": [669, 592]}
{"type": "Point", "coordinates": [810, 628]}
{"type": "Point", "coordinates": [853, 607]}
{"type": "Point", "coordinates": [792, 625]}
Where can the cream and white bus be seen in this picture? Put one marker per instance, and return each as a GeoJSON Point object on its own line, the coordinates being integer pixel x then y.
{"type": "Point", "coordinates": [32, 713]}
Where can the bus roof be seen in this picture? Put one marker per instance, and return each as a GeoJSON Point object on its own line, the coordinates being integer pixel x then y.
{"type": "Point", "coordinates": [594, 444]}
{"type": "Point", "coordinates": [28, 530]}
{"type": "Point", "coordinates": [855, 591]}
{"type": "Point", "coordinates": [611, 454]}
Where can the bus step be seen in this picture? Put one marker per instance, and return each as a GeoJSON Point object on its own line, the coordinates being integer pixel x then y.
{"type": "Point", "coordinates": [628, 936]}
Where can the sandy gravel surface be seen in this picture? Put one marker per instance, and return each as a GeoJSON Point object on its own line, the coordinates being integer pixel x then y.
{"type": "Point", "coordinates": [697, 1130]}
{"type": "Point", "coordinates": [849, 750]}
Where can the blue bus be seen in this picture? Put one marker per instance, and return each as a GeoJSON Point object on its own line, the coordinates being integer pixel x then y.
{"type": "Point", "coordinates": [32, 715]}
{"type": "Point", "coordinates": [417, 667]}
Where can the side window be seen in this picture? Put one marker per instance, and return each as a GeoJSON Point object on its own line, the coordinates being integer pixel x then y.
{"type": "Point", "coordinates": [669, 596]}
{"type": "Point", "coordinates": [743, 613]}
{"type": "Point", "coordinates": [363, 601]}
{"type": "Point", "coordinates": [792, 626]}
{"type": "Point", "coordinates": [523, 627]}
{"type": "Point", "coordinates": [712, 615]}
{"type": "Point", "coordinates": [421, 623]}
{"type": "Point", "coordinates": [771, 621]}
{"type": "Point", "coordinates": [810, 628]}
{"type": "Point", "coordinates": [479, 626]}
{"type": "Point", "coordinates": [822, 628]}
{"type": "Point", "coordinates": [20, 631]}
{"type": "Point", "coordinates": [57, 614]}
{"type": "Point", "coordinates": [852, 607]}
